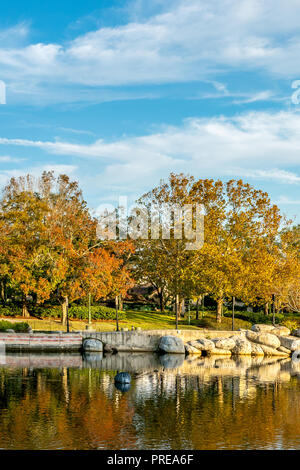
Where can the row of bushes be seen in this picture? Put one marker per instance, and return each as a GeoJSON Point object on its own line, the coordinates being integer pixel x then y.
{"type": "Point", "coordinates": [255, 317]}
{"type": "Point", "coordinates": [10, 311]}
{"type": "Point", "coordinates": [20, 327]}
{"type": "Point", "coordinates": [78, 312]}
{"type": "Point", "coordinates": [98, 312]}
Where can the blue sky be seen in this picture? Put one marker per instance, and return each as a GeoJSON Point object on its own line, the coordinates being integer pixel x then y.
{"type": "Point", "coordinates": [120, 93]}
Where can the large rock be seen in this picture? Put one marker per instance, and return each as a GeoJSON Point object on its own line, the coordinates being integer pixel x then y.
{"type": "Point", "coordinates": [265, 338]}
{"type": "Point", "coordinates": [283, 349]}
{"type": "Point", "coordinates": [189, 349]}
{"type": "Point", "coordinates": [91, 344]}
{"type": "Point", "coordinates": [262, 328]}
{"type": "Point", "coordinates": [251, 335]}
{"type": "Point", "coordinates": [220, 352]}
{"type": "Point", "coordinates": [281, 331]}
{"type": "Point", "coordinates": [171, 344]}
{"type": "Point", "coordinates": [225, 343]}
{"type": "Point", "coordinates": [290, 342]}
{"type": "Point", "coordinates": [203, 344]}
{"type": "Point", "coordinates": [242, 347]}
{"type": "Point", "coordinates": [268, 351]}
{"type": "Point", "coordinates": [256, 350]}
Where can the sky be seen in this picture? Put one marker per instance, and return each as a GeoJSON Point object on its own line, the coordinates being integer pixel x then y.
{"type": "Point", "coordinates": [119, 93]}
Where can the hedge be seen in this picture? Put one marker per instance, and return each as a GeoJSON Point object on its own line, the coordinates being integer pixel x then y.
{"type": "Point", "coordinates": [80, 312]}
{"type": "Point", "coordinates": [255, 317]}
{"type": "Point", "coordinates": [98, 312]}
{"type": "Point", "coordinates": [20, 327]}
{"type": "Point", "coordinates": [10, 311]}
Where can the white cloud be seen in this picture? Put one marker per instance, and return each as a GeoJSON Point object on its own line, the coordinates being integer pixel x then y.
{"type": "Point", "coordinates": [281, 176]}
{"type": "Point", "coordinates": [286, 201]}
{"type": "Point", "coordinates": [257, 145]}
{"type": "Point", "coordinates": [9, 159]}
{"type": "Point", "coordinates": [190, 40]}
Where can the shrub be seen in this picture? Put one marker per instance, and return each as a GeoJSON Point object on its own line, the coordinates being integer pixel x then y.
{"type": "Point", "coordinates": [20, 327]}
{"type": "Point", "coordinates": [291, 324]}
{"type": "Point", "coordinates": [98, 312]}
{"type": "Point", "coordinates": [47, 312]}
{"type": "Point", "coordinates": [256, 317]}
{"type": "Point", "coordinates": [80, 312]}
{"type": "Point", "coordinates": [10, 311]}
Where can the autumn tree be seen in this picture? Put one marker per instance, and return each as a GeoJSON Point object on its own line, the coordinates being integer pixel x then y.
{"type": "Point", "coordinates": [50, 243]}
{"type": "Point", "coordinates": [165, 259]}
{"type": "Point", "coordinates": [288, 287]}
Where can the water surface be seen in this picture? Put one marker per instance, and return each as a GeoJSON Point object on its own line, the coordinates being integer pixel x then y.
{"type": "Point", "coordinates": [70, 402]}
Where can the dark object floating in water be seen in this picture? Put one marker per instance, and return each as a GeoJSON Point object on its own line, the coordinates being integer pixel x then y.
{"type": "Point", "coordinates": [122, 387]}
{"type": "Point", "coordinates": [123, 378]}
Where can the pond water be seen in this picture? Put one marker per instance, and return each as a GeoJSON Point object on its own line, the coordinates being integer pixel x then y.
{"type": "Point", "coordinates": [71, 402]}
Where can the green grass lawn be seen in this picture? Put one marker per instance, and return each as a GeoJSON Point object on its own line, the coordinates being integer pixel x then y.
{"type": "Point", "coordinates": [144, 320]}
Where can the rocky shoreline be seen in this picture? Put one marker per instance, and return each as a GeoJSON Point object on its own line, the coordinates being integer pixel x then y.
{"type": "Point", "coordinates": [261, 340]}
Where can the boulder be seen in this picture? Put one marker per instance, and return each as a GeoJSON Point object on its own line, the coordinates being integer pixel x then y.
{"type": "Point", "coordinates": [256, 350]}
{"type": "Point", "coordinates": [220, 352]}
{"type": "Point", "coordinates": [189, 349]}
{"type": "Point", "coordinates": [108, 348]}
{"type": "Point", "coordinates": [171, 344]}
{"type": "Point", "coordinates": [225, 343]}
{"type": "Point", "coordinates": [242, 347]}
{"type": "Point", "coordinates": [268, 339]}
{"type": "Point", "coordinates": [92, 344]}
{"type": "Point", "coordinates": [268, 351]}
{"type": "Point", "coordinates": [290, 342]}
{"type": "Point", "coordinates": [283, 349]}
{"type": "Point", "coordinates": [251, 335]}
{"type": "Point", "coordinates": [281, 331]}
{"type": "Point", "coordinates": [203, 344]}
{"type": "Point", "coordinates": [262, 328]}
{"type": "Point", "coordinates": [9, 331]}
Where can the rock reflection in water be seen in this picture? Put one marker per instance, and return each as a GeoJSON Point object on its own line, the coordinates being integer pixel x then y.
{"type": "Point", "coordinates": [71, 402]}
{"type": "Point", "coordinates": [171, 361]}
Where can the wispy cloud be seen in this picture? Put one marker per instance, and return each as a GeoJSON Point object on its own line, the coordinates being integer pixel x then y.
{"type": "Point", "coordinates": [256, 145]}
{"type": "Point", "coordinates": [286, 201]}
{"type": "Point", "coordinates": [190, 40]}
{"type": "Point", "coordinates": [9, 159]}
{"type": "Point", "coordinates": [281, 176]}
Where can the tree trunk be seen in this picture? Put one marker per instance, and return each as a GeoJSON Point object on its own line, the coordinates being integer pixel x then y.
{"type": "Point", "coordinates": [117, 312]}
{"type": "Point", "coordinates": [3, 292]}
{"type": "Point", "coordinates": [161, 300]}
{"type": "Point", "coordinates": [219, 310]}
{"type": "Point", "coordinates": [267, 308]}
{"type": "Point", "coordinates": [120, 304]}
{"type": "Point", "coordinates": [64, 306]}
{"type": "Point", "coordinates": [197, 309]}
{"type": "Point", "coordinates": [25, 312]}
{"type": "Point", "coordinates": [177, 309]}
{"type": "Point", "coordinates": [182, 308]}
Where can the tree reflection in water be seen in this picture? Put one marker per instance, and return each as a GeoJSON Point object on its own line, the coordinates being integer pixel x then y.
{"type": "Point", "coordinates": [68, 402]}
